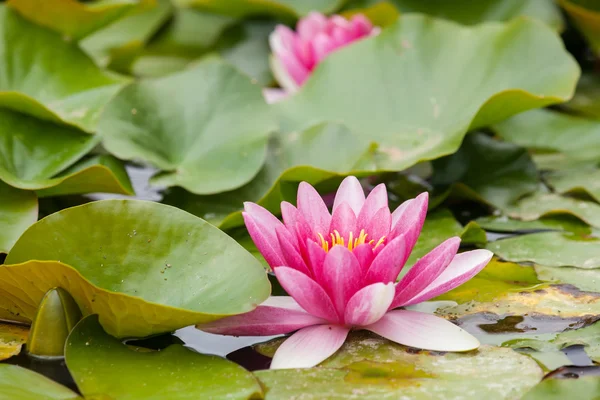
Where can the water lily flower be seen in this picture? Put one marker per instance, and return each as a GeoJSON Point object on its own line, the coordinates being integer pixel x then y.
{"type": "Point", "coordinates": [340, 271]}
{"type": "Point", "coordinates": [296, 54]}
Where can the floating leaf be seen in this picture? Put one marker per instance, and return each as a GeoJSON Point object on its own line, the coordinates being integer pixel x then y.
{"type": "Point", "coordinates": [12, 338]}
{"type": "Point", "coordinates": [576, 181]}
{"type": "Point", "coordinates": [544, 204]}
{"type": "Point", "coordinates": [206, 138]}
{"type": "Point", "coordinates": [582, 388]}
{"type": "Point", "coordinates": [174, 373]}
{"type": "Point", "coordinates": [118, 44]}
{"type": "Point", "coordinates": [488, 169]}
{"type": "Point", "coordinates": [551, 249]}
{"type": "Point", "coordinates": [145, 268]}
{"type": "Point", "coordinates": [587, 96]}
{"type": "Point", "coordinates": [287, 9]}
{"type": "Point", "coordinates": [551, 130]}
{"type": "Point", "coordinates": [583, 279]}
{"type": "Point", "coordinates": [585, 14]}
{"type": "Point", "coordinates": [56, 316]}
{"type": "Point", "coordinates": [71, 17]}
{"type": "Point", "coordinates": [369, 367]}
{"type": "Point", "coordinates": [17, 383]}
{"type": "Point", "coordinates": [62, 85]}
{"type": "Point", "coordinates": [18, 210]}
{"type": "Point", "coordinates": [565, 223]}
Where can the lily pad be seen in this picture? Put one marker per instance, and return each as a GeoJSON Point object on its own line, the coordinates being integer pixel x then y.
{"type": "Point", "coordinates": [547, 204]}
{"type": "Point", "coordinates": [62, 85]}
{"type": "Point", "coordinates": [565, 223]}
{"type": "Point", "coordinates": [583, 279]}
{"type": "Point", "coordinates": [145, 268]}
{"type": "Point", "coordinates": [585, 14]}
{"type": "Point", "coordinates": [582, 388]}
{"type": "Point", "coordinates": [70, 17]}
{"type": "Point", "coordinates": [576, 181]}
{"type": "Point", "coordinates": [17, 383]}
{"type": "Point", "coordinates": [205, 138]}
{"type": "Point", "coordinates": [18, 210]}
{"type": "Point", "coordinates": [287, 9]}
{"type": "Point", "coordinates": [587, 96]}
{"type": "Point", "coordinates": [369, 367]}
{"type": "Point", "coordinates": [12, 338]}
{"type": "Point", "coordinates": [551, 249]}
{"type": "Point", "coordinates": [551, 130]}
{"type": "Point", "coordinates": [488, 169]}
{"type": "Point", "coordinates": [174, 373]}
{"type": "Point", "coordinates": [431, 117]}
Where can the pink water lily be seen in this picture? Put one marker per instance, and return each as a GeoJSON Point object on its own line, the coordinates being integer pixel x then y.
{"type": "Point", "coordinates": [296, 54]}
{"type": "Point", "coordinates": [340, 270]}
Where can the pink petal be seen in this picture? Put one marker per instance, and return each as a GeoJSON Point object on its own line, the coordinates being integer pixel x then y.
{"type": "Point", "coordinates": [340, 275]}
{"type": "Point", "coordinates": [322, 46]}
{"type": "Point", "coordinates": [296, 224]}
{"type": "Point", "coordinates": [389, 262]}
{"type": "Point", "coordinates": [375, 200]}
{"type": "Point", "coordinates": [309, 346]}
{"type": "Point", "coordinates": [313, 208]}
{"type": "Point", "coordinates": [408, 219]}
{"type": "Point", "coordinates": [282, 39]}
{"type": "Point", "coordinates": [316, 255]}
{"type": "Point", "coordinates": [272, 95]}
{"type": "Point", "coordinates": [361, 25]}
{"type": "Point", "coordinates": [463, 267]}
{"type": "Point", "coordinates": [293, 66]}
{"type": "Point", "coordinates": [343, 221]}
{"type": "Point", "coordinates": [309, 26]}
{"type": "Point", "coordinates": [369, 304]}
{"type": "Point", "coordinates": [342, 36]}
{"type": "Point", "coordinates": [350, 192]}
{"type": "Point", "coordinates": [265, 320]}
{"type": "Point", "coordinates": [423, 331]}
{"type": "Point", "coordinates": [262, 226]}
{"type": "Point", "coordinates": [290, 253]}
{"type": "Point", "coordinates": [307, 293]}
{"type": "Point", "coordinates": [282, 76]}
{"type": "Point", "coordinates": [305, 53]}
{"type": "Point", "coordinates": [425, 271]}
{"type": "Point", "coordinates": [364, 254]}
{"type": "Point", "coordinates": [380, 224]}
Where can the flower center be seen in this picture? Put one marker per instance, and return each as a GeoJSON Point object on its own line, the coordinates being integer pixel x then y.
{"type": "Point", "coordinates": [336, 239]}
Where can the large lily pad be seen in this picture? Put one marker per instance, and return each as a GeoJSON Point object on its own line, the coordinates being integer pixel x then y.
{"type": "Point", "coordinates": [436, 106]}
{"type": "Point", "coordinates": [582, 388]}
{"type": "Point", "coordinates": [174, 373]}
{"type": "Point", "coordinates": [369, 367]}
{"type": "Point", "coordinates": [18, 210]}
{"type": "Point", "coordinates": [551, 130]}
{"type": "Point", "coordinates": [586, 16]}
{"type": "Point", "coordinates": [206, 128]}
{"type": "Point", "coordinates": [71, 17]}
{"type": "Point", "coordinates": [548, 204]}
{"type": "Point", "coordinates": [583, 279]}
{"type": "Point", "coordinates": [145, 268]}
{"type": "Point", "coordinates": [289, 9]}
{"type": "Point", "coordinates": [488, 169]}
{"type": "Point", "coordinates": [503, 223]}
{"type": "Point", "coordinates": [576, 181]}
{"type": "Point", "coordinates": [17, 383]}
{"type": "Point", "coordinates": [552, 249]}
{"type": "Point", "coordinates": [51, 78]}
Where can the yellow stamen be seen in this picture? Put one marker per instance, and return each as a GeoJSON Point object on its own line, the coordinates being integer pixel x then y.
{"type": "Point", "coordinates": [353, 242]}
{"type": "Point", "coordinates": [379, 242]}
{"type": "Point", "coordinates": [350, 241]}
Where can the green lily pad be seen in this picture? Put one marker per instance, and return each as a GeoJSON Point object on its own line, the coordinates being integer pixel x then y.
{"type": "Point", "coordinates": [72, 18]}
{"type": "Point", "coordinates": [17, 383]}
{"type": "Point", "coordinates": [12, 338]}
{"type": "Point", "coordinates": [588, 337]}
{"type": "Point", "coordinates": [567, 223]}
{"type": "Point", "coordinates": [471, 13]}
{"type": "Point", "coordinates": [206, 138]}
{"type": "Point", "coordinates": [546, 204]}
{"type": "Point", "coordinates": [174, 373]}
{"type": "Point", "coordinates": [18, 210]}
{"type": "Point", "coordinates": [369, 367]}
{"type": "Point", "coordinates": [62, 85]}
{"type": "Point", "coordinates": [576, 181]}
{"type": "Point", "coordinates": [144, 267]}
{"type": "Point", "coordinates": [287, 9]}
{"type": "Point", "coordinates": [583, 279]}
{"type": "Point", "coordinates": [551, 130]}
{"type": "Point", "coordinates": [118, 44]}
{"type": "Point", "coordinates": [551, 249]}
{"type": "Point", "coordinates": [587, 96]}
{"type": "Point", "coordinates": [488, 169]}
{"type": "Point", "coordinates": [585, 14]}
{"type": "Point", "coordinates": [583, 388]}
